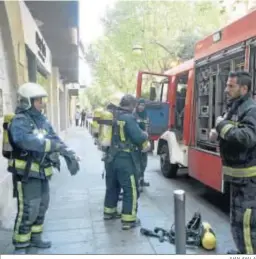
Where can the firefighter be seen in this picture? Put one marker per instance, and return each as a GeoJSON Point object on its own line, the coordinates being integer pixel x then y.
{"type": "Point", "coordinates": [122, 166]}
{"type": "Point", "coordinates": [35, 148]}
{"type": "Point", "coordinates": [236, 131]}
{"type": "Point", "coordinates": [142, 119]}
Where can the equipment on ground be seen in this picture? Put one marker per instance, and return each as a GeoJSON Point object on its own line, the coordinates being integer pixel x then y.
{"type": "Point", "coordinates": [198, 233]}
{"type": "Point", "coordinates": [208, 237]}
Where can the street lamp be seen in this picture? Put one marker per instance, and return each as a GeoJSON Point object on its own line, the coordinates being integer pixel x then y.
{"type": "Point", "coordinates": [137, 48]}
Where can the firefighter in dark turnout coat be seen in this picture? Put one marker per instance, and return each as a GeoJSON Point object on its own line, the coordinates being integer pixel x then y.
{"type": "Point", "coordinates": [35, 151]}
{"type": "Point", "coordinates": [140, 114]}
{"type": "Point", "coordinates": [237, 139]}
{"type": "Point", "coordinates": [122, 166]}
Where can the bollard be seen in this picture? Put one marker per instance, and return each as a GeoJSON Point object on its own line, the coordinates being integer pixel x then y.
{"type": "Point", "coordinates": [180, 221]}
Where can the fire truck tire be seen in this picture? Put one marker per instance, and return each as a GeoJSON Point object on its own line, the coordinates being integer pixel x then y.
{"type": "Point", "coordinates": [168, 170]}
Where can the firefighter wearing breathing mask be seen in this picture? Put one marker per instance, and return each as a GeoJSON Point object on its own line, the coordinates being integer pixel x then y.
{"type": "Point", "coordinates": [33, 151]}
{"type": "Point", "coordinates": [121, 164]}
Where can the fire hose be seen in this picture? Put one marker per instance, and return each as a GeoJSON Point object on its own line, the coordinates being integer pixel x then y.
{"type": "Point", "coordinates": [198, 233]}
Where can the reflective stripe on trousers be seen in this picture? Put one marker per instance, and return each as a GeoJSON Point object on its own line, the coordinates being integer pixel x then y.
{"type": "Point", "coordinates": [133, 215]}
{"type": "Point", "coordinates": [33, 202]}
{"type": "Point", "coordinates": [247, 231]}
{"type": "Point", "coordinates": [243, 215]}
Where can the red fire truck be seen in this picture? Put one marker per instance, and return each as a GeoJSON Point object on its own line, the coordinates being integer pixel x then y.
{"type": "Point", "coordinates": [192, 97]}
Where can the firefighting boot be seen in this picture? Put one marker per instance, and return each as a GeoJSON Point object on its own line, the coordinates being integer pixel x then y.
{"type": "Point", "coordinates": [109, 216]}
{"type": "Point", "coordinates": [36, 241]}
{"type": "Point", "coordinates": [140, 188]}
{"type": "Point", "coordinates": [144, 184]}
{"type": "Point", "coordinates": [126, 225]}
{"type": "Point", "coordinates": [20, 251]}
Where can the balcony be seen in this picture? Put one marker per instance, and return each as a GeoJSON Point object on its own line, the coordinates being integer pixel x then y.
{"type": "Point", "coordinates": [58, 21]}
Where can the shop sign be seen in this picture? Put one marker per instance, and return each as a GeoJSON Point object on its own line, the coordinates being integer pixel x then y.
{"type": "Point", "coordinates": [41, 47]}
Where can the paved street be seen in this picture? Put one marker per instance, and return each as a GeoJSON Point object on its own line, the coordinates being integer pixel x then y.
{"type": "Point", "coordinates": [74, 221]}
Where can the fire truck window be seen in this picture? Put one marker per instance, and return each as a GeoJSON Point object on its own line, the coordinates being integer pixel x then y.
{"type": "Point", "coordinates": [239, 63]}
{"type": "Point", "coordinates": [152, 94]}
{"type": "Point", "coordinates": [224, 70]}
{"type": "Point", "coordinates": [182, 83]}
{"type": "Point", "coordinates": [164, 96]}
{"type": "Point", "coordinates": [158, 89]}
{"type": "Point", "coordinates": [210, 97]}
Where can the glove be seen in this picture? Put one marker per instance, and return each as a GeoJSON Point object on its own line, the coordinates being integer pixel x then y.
{"type": "Point", "coordinates": [213, 136]}
{"type": "Point", "coordinates": [71, 161]}
{"type": "Point", "coordinates": [218, 120]}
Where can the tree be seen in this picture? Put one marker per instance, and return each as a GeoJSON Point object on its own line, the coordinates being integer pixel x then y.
{"type": "Point", "coordinates": [165, 40]}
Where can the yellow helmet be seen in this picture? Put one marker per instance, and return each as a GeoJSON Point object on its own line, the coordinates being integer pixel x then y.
{"type": "Point", "coordinates": [208, 238]}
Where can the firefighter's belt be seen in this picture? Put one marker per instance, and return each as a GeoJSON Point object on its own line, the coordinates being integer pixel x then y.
{"type": "Point", "coordinates": [126, 147]}
{"type": "Point", "coordinates": [34, 169]}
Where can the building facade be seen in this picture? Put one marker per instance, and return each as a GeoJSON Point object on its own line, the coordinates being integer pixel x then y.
{"type": "Point", "coordinates": [25, 55]}
{"type": "Point", "coordinates": [235, 9]}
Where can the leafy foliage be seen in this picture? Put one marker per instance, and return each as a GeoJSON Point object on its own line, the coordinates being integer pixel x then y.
{"type": "Point", "coordinates": [166, 31]}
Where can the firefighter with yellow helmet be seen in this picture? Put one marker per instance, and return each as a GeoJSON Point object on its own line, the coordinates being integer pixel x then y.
{"type": "Point", "coordinates": [32, 147]}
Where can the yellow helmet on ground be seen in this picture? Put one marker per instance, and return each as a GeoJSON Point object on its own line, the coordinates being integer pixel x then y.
{"type": "Point", "coordinates": [208, 238]}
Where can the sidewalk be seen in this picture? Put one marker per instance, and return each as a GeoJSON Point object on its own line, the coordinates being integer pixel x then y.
{"type": "Point", "coordinates": [74, 221]}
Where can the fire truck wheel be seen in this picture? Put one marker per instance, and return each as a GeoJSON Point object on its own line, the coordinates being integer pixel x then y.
{"type": "Point", "coordinates": [168, 170]}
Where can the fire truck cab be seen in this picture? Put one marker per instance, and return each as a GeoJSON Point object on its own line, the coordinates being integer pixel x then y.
{"type": "Point", "coordinates": [170, 116]}
{"type": "Point", "coordinates": [195, 98]}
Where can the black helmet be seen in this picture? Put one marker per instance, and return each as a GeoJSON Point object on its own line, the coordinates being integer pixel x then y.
{"type": "Point", "coordinates": [128, 100]}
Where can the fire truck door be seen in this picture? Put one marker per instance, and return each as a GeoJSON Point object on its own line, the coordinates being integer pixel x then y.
{"type": "Point", "coordinates": [158, 114]}
{"type": "Point", "coordinates": [158, 110]}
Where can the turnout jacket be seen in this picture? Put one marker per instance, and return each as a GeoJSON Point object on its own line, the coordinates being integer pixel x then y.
{"type": "Point", "coordinates": [33, 140]}
{"type": "Point", "coordinates": [237, 136]}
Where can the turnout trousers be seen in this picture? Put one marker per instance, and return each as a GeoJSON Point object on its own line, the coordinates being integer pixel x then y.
{"type": "Point", "coordinates": [243, 214]}
{"type": "Point", "coordinates": [32, 201]}
{"type": "Point", "coordinates": [121, 174]}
